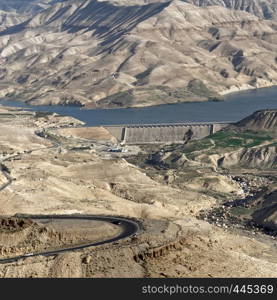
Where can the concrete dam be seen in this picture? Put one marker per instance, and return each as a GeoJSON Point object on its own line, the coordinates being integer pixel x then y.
{"type": "Point", "coordinates": [163, 133]}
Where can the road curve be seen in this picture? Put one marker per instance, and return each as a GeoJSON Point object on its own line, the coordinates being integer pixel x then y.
{"type": "Point", "coordinates": [129, 228]}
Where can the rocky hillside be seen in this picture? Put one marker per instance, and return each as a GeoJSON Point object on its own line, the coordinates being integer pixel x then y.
{"type": "Point", "coordinates": [260, 155]}
{"type": "Point", "coordinates": [260, 8]}
{"type": "Point", "coordinates": [14, 12]}
{"type": "Point", "coordinates": [124, 54]}
{"type": "Point", "coordinates": [260, 120]}
{"type": "Point", "coordinates": [266, 215]}
{"type": "Point", "coordinates": [250, 144]}
{"type": "Point", "coordinates": [244, 154]}
{"type": "Point", "coordinates": [260, 158]}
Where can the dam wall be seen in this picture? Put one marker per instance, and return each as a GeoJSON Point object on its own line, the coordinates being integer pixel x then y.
{"type": "Point", "coordinates": [117, 131]}
{"type": "Point", "coordinates": [163, 133]}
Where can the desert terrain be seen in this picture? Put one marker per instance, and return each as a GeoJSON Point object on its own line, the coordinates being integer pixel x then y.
{"type": "Point", "coordinates": [112, 54]}
{"type": "Point", "coordinates": [207, 208]}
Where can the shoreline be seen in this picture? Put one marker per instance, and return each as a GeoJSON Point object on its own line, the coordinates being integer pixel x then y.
{"type": "Point", "coordinates": [234, 90]}
{"type": "Point", "coordinates": [237, 89]}
{"type": "Point", "coordinates": [236, 106]}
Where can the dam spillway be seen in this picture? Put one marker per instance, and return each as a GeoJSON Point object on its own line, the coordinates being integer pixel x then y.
{"type": "Point", "coordinates": [132, 134]}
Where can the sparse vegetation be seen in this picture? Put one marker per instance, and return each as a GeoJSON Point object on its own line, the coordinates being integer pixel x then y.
{"type": "Point", "coordinates": [197, 146]}
{"type": "Point", "coordinates": [119, 99]}
{"type": "Point", "coordinates": [241, 211]}
{"type": "Point", "coordinates": [228, 139]}
{"type": "Point", "coordinates": [234, 139]}
{"type": "Point", "coordinates": [42, 114]}
{"type": "Point", "coordinates": [143, 77]}
{"type": "Point", "coordinates": [198, 88]}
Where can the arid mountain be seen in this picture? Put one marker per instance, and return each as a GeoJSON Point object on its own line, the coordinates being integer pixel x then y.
{"type": "Point", "coordinates": [136, 53]}
{"type": "Point", "coordinates": [8, 19]}
{"type": "Point", "coordinates": [17, 11]}
{"type": "Point", "coordinates": [26, 6]}
{"type": "Point", "coordinates": [260, 120]}
{"type": "Point", "coordinates": [266, 9]}
{"type": "Point", "coordinates": [250, 143]}
{"type": "Point", "coordinates": [262, 156]}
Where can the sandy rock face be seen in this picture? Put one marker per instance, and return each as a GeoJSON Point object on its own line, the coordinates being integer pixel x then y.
{"type": "Point", "coordinates": [265, 157]}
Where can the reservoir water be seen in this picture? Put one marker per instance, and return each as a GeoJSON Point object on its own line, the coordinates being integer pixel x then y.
{"type": "Point", "coordinates": [234, 108]}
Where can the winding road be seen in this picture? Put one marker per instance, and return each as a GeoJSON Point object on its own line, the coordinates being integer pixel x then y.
{"type": "Point", "coordinates": [128, 226]}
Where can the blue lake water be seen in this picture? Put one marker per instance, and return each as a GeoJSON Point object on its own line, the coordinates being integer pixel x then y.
{"type": "Point", "coordinates": [234, 108]}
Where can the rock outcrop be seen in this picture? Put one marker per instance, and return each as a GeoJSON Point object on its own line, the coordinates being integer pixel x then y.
{"type": "Point", "coordinates": [264, 157]}
{"type": "Point", "coordinates": [260, 120]}
{"type": "Point", "coordinates": [266, 216]}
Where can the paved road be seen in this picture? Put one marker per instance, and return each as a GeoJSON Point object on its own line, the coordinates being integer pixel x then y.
{"type": "Point", "coordinates": [129, 228]}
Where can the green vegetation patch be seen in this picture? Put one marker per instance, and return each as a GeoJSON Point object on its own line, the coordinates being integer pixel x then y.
{"type": "Point", "coordinates": [42, 114]}
{"type": "Point", "coordinates": [197, 145]}
{"type": "Point", "coordinates": [238, 211]}
{"type": "Point", "coordinates": [226, 139]}
{"type": "Point", "coordinates": [198, 88]}
{"type": "Point", "coordinates": [119, 99]}
{"type": "Point", "coordinates": [247, 139]}
{"type": "Point", "coordinates": [143, 77]}
{"type": "Point", "coordinates": [243, 211]}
